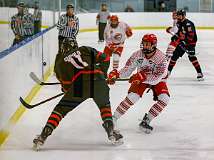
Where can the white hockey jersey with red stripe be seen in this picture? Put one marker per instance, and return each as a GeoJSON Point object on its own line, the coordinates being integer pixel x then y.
{"type": "Point", "coordinates": [155, 68]}
{"type": "Point", "coordinates": [115, 35]}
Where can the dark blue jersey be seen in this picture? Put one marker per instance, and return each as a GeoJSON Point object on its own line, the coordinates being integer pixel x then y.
{"type": "Point", "coordinates": [187, 31]}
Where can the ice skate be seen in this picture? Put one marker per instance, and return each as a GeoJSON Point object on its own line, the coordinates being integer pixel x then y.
{"type": "Point", "coordinates": [144, 125]}
{"type": "Point", "coordinates": [38, 142]}
{"type": "Point", "coordinates": [40, 139]}
{"type": "Point", "coordinates": [200, 77]}
{"type": "Point", "coordinates": [114, 138]}
{"type": "Point", "coordinates": [108, 126]}
{"type": "Point", "coordinates": [118, 138]}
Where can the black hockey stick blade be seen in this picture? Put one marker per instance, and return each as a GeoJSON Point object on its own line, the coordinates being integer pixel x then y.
{"type": "Point", "coordinates": [25, 103]}
{"type": "Point", "coordinates": [38, 81]}
{"type": "Point", "coordinates": [30, 106]}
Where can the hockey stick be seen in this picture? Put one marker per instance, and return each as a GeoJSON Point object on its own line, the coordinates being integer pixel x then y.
{"type": "Point", "coordinates": [38, 81]}
{"type": "Point", "coordinates": [173, 34]}
{"type": "Point", "coordinates": [122, 79]}
{"type": "Point", "coordinates": [30, 106]}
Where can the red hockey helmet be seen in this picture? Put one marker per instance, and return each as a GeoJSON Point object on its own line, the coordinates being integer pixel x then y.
{"type": "Point", "coordinates": [114, 21]}
{"type": "Point", "coordinates": [114, 18]}
{"type": "Point", "coordinates": [148, 43]}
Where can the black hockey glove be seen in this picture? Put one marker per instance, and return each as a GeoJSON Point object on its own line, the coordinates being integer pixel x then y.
{"type": "Point", "coordinates": [182, 45]}
{"type": "Point", "coordinates": [174, 38]}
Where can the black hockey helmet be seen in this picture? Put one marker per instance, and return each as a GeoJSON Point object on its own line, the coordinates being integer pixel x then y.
{"type": "Point", "coordinates": [69, 45]}
{"type": "Point", "coordinates": [181, 12]}
{"type": "Point", "coordinates": [69, 6]}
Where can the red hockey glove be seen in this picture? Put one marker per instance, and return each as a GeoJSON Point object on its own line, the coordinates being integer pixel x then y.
{"type": "Point", "coordinates": [129, 32]}
{"type": "Point", "coordinates": [112, 76]}
{"type": "Point", "coordinates": [137, 78]}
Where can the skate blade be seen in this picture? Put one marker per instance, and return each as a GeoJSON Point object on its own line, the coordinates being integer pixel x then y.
{"type": "Point", "coordinates": [115, 142]}
{"type": "Point", "coordinates": [117, 131]}
{"type": "Point", "coordinates": [37, 147]}
{"type": "Point", "coordinates": [118, 142]}
{"type": "Point", "coordinates": [145, 130]}
{"type": "Point", "coordinates": [200, 79]}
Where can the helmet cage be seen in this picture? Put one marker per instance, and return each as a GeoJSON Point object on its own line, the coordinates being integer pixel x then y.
{"type": "Point", "coordinates": [69, 45]}
{"type": "Point", "coordinates": [148, 39]}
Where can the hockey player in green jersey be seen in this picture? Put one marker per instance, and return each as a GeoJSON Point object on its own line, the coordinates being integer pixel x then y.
{"type": "Point", "coordinates": [82, 72]}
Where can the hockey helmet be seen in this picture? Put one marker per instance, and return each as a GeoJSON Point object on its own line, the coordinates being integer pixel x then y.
{"type": "Point", "coordinates": [114, 21]}
{"type": "Point", "coordinates": [69, 45]}
{"type": "Point", "coordinates": [114, 18]}
{"type": "Point", "coordinates": [148, 43]}
{"type": "Point", "coordinates": [181, 12]}
{"type": "Point", "coordinates": [181, 15]}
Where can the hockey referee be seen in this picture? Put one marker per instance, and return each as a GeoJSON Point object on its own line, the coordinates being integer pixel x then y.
{"type": "Point", "coordinates": [22, 24]}
{"type": "Point", "coordinates": [68, 25]}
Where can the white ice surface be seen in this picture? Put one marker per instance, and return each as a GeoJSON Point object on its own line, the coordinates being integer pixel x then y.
{"type": "Point", "coordinates": [183, 131]}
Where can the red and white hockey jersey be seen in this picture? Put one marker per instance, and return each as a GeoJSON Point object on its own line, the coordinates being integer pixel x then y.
{"type": "Point", "coordinates": [155, 68]}
{"type": "Point", "coordinates": [116, 35]}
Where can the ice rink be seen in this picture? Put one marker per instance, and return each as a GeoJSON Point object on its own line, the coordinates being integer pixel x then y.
{"type": "Point", "coordinates": [183, 131]}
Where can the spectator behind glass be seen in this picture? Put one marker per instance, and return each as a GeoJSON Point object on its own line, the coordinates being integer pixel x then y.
{"type": "Point", "coordinates": [129, 9]}
{"type": "Point", "coordinates": [162, 6]}
{"type": "Point", "coordinates": [37, 15]}
{"type": "Point", "coordinates": [101, 20]}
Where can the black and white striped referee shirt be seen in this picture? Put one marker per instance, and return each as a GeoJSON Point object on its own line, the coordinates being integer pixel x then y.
{"type": "Point", "coordinates": [64, 29]}
{"type": "Point", "coordinates": [22, 25]}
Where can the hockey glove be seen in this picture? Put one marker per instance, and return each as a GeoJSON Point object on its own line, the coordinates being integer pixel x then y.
{"type": "Point", "coordinates": [137, 78]}
{"type": "Point", "coordinates": [129, 32]}
{"type": "Point", "coordinates": [112, 76]}
{"type": "Point", "coordinates": [174, 38]}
